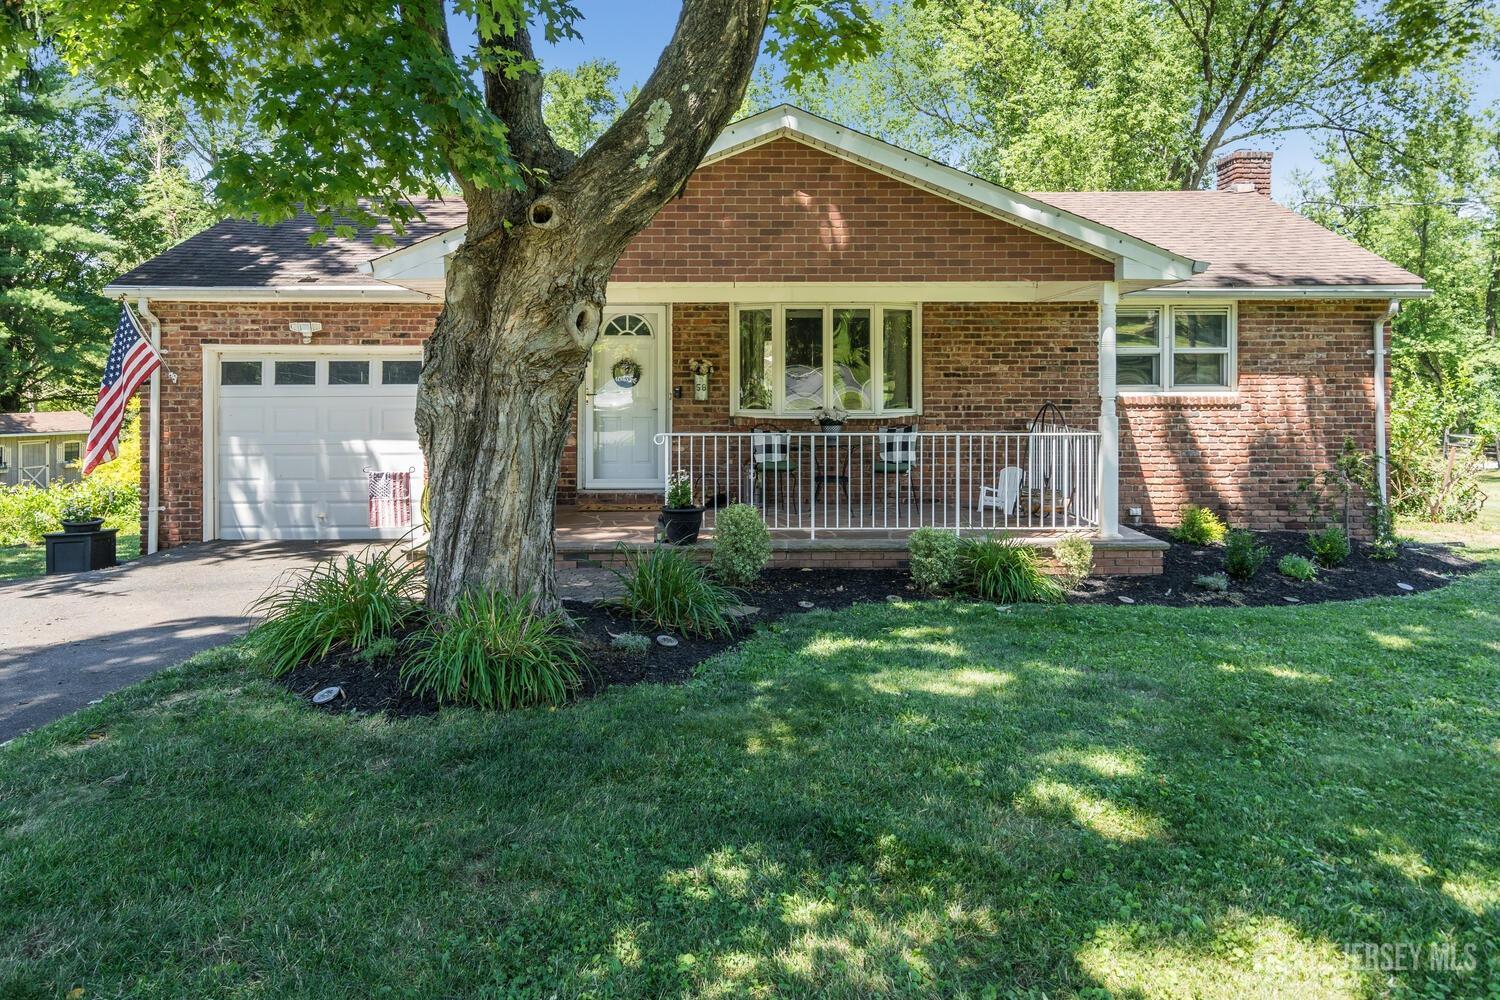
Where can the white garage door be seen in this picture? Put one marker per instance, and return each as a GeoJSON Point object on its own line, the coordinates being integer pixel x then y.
{"type": "Point", "coordinates": [297, 435]}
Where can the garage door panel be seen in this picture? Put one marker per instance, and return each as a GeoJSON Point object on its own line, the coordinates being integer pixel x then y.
{"type": "Point", "coordinates": [292, 461]}
{"type": "Point", "coordinates": [295, 419]}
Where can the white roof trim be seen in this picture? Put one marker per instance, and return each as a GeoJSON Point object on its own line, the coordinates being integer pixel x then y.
{"type": "Point", "coordinates": [939, 178]}
{"type": "Point", "coordinates": [1135, 259]}
{"type": "Point", "coordinates": [310, 292]}
{"type": "Point", "coordinates": [1287, 292]}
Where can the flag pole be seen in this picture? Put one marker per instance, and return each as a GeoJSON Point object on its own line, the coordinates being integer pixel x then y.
{"type": "Point", "coordinates": [153, 459]}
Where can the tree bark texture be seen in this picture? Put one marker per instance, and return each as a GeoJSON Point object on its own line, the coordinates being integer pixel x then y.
{"type": "Point", "coordinates": [525, 294]}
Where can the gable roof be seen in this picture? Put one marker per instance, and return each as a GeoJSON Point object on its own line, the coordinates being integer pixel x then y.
{"type": "Point", "coordinates": [1251, 241]}
{"type": "Point", "coordinates": [51, 422]}
{"type": "Point", "coordinates": [1188, 242]}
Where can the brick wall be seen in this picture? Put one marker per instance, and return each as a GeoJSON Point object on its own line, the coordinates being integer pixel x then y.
{"type": "Point", "coordinates": [186, 326]}
{"type": "Point", "coordinates": [1306, 383]}
{"type": "Point", "coordinates": [784, 211]}
{"type": "Point", "coordinates": [1304, 386]}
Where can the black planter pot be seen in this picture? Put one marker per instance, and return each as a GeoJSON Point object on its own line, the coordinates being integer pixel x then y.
{"type": "Point", "coordinates": [83, 527]}
{"type": "Point", "coordinates": [680, 525]}
{"type": "Point", "coordinates": [831, 428]}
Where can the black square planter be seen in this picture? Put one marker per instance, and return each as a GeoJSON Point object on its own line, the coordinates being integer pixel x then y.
{"type": "Point", "coordinates": [79, 551]}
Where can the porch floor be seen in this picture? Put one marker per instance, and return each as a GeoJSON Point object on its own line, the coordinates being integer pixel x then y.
{"type": "Point", "coordinates": [591, 537]}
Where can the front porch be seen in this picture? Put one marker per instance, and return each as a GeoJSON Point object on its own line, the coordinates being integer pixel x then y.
{"type": "Point", "coordinates": [593, 538]}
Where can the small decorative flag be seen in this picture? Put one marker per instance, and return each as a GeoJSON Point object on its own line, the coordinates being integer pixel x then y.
{"type": "Point", "coordinates": [132, 359]}
{"type": "Point", "coordinates": [390, 499]}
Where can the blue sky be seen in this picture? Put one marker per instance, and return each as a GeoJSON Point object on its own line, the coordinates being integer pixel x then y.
{"type": "Point", "coordinates": [633, 34]}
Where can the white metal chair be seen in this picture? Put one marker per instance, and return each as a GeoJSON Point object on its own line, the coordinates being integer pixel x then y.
{"type": "Point", "coordinates": [1005, 494]}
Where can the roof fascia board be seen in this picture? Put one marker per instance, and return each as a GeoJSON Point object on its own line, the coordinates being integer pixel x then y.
{"type": "Point", "coordinates": [1287, 292]}
{"type": "Point", "coordinates": [270, 293]}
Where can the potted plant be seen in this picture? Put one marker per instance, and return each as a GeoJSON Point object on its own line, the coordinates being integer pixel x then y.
{"type": "Point", "coordinates": [680, 519]}
{"type": "Point", "coordinates": [830, 418]}
{"type": "Point", "coordinates": [80, 513]}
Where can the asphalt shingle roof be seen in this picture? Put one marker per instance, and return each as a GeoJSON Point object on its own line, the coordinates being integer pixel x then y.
{"type": "Point", "coordinates": [53, 422]}
{"type": "Point", "coordinates": [1247, 239]}
{"type": "Point", "coordinates": [238, 253]}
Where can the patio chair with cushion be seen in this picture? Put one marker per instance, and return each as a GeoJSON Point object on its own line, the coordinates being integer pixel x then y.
{"type": "Point", "coordinates": [770, 452]}
{"type": "Point", "coordinates": [896, 450]}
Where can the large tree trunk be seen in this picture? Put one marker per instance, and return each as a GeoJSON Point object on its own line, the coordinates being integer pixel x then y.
{"type": "Point", "coordinates": [525, 293]}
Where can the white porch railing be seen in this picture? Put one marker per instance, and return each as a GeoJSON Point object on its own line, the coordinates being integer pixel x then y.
{"type": "Point", "coordinates": [895, 480]}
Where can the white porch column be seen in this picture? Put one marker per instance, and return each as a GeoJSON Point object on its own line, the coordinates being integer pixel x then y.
{"type": "Point", "coordinates": [1109, 420]}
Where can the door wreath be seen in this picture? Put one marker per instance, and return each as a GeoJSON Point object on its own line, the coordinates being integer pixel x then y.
{"type": "Point", "coordinates": [626, 372]}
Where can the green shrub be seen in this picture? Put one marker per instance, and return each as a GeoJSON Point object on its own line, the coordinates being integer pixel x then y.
{"type": "Point", "coordinates": [1385, 548]}
{"type": "Point", "coordinates": [1330, 547]}
{"type": "Point", "coordinates": [496, 651]}
{"type": "Point", "coordinates": [1217, 582]}
{"type": "Point", "coordinates": [382, 648]}
{"type": "Point", "coordinates": [742, 545]}
{"type": "Point", "coordinates": [631, 642]}
{"type": "Point", "coordinates": [1429, 485]}
{"type": "Point", "coordinates": [1199, 526]}
{"type": "Point", "coordinates": [339, 603]}
{"type": "Point", "coordinates": [1297, 567]}
{"type": "Point", "coordinates": [26, 512]}
{"type": "Point", "coordinates": [933, 557]}
{"type": "Point", "coordinates": [666, 588]}
{"type": "Point", "coordinates": [1005, 572]}
{"type": "Point", "coordinates": [1243, 557]}
{"type": "Point", "coordinates": [1076, 557]}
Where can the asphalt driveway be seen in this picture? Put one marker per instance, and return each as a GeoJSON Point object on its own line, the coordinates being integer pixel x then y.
{"type": "Point", "coordinates": [68, 640]}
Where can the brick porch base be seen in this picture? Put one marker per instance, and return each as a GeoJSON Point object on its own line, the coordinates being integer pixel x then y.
{"type": "Point", "coordinates": [608, 538]}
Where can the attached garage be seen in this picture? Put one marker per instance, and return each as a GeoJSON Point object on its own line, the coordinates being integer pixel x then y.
{"type": "Point", "coordinates": [295, 436]}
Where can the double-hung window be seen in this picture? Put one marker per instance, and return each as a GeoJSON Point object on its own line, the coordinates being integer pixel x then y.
{"type": "Point", "coordinates": [791, 360]}
{"type": "Point", "coordinates": [1181, 347]}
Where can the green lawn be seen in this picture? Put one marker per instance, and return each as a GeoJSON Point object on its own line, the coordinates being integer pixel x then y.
{"type": "Point", "coordinates": [937, 799]}
{"type": "Point", "coordinates": [20, 561]}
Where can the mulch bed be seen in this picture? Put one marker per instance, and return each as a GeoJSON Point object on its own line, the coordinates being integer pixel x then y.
{"type": "Point", "coordinates": [1423, 567]}
{"type": "Point", "coordinates": [374, 686]}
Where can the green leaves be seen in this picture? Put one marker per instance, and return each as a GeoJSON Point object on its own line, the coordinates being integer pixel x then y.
{"type": "Point", "coordinates": [811, 38]}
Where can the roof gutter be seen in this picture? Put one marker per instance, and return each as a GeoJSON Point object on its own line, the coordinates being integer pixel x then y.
{"type": "Point", "coordinates": [1288, 292]}
{"type": "Point", "coordinates": [380, 292]}
{"type": "Point", "coordinates": [1381, 476]}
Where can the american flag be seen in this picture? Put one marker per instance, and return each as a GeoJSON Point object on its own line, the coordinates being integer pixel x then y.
{"type": "Point", "coordinates": [131, 361]}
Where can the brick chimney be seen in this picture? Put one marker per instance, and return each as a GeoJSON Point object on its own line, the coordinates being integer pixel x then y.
{"type": "Point", "coordinates": [1245, 170]}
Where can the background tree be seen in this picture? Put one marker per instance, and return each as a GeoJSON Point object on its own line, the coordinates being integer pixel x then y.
{"type": "Point", "coordinates": [1126, 94]}
{"type": "Point", "coordinates": [579, 104]}
{"type": "Point", "coordinates": [366, 104]}
{"type": "Point", "coordinates": [90, 188]}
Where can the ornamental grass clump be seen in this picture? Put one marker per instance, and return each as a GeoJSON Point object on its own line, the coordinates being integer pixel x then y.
{"type": "Point", "coordinates": [1006, 573]}
{"type": "Point", "coordinates": [1199, 526]}
{"type": "Point", "coordinates": [1243, 556]}
{"type": "Point", "coordinates": [932, 558]}
{"type": "Point", "coordinates": [742, 545]}
{"type": "Point", "coordinates": [342, 603]}
{"type": "Point", "coordinates": [497, 652]}
{"type": "Point", "coordinates": [1330, 547]}
{"type": "Point", "coordinates": [1297, 568]}
{"type": "Point", "coordinates": [669, 590]}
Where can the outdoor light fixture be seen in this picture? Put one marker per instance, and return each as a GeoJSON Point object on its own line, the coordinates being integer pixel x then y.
{"type": "Point", "coordinates": [1135, 516]}
{"type": "Point", "coordinates": [306, 330]}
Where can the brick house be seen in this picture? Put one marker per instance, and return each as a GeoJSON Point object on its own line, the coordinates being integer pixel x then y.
{"type": "Point", "coordinates": [1031, 363]}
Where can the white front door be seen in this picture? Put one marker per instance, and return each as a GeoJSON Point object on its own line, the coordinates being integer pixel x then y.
{"type": "Point", "coordinates": [36, 465]}
{"type": "Point", "coordinates": [625, 401]}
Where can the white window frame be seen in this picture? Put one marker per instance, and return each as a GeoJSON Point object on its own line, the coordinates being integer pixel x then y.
{"type": "Point", "coordinates": [77, 446]}
{"type": "Point", "coordinates": [778, 310]}
{"type": "Point", "coordinates": [1166, 349]}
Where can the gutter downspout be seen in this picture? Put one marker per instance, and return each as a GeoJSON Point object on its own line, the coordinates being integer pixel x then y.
{"type": "Point", "coordinates": [1381, 461]}
{"type": "Point", "coordinates": [153, 460]}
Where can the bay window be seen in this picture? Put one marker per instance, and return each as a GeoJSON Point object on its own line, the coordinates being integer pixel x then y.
{"type": "Point", "coordinates": [1182, 347]}
{"type": "Point", "coordinates": [792, 360]}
